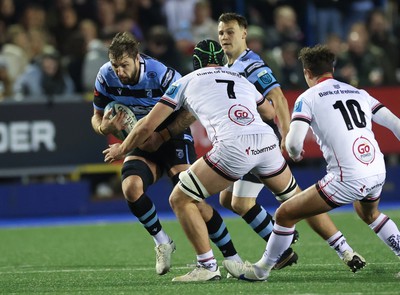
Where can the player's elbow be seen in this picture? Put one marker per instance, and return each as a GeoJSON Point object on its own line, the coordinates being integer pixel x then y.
{"type": "Point", "coordinates": [293, 146]}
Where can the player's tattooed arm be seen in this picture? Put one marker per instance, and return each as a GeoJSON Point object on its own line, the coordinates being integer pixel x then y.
{"type": "Point", "coordinates": [180, 123]}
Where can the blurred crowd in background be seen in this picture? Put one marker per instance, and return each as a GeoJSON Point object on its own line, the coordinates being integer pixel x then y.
{"type": "Point", "coordinates": [56, 47]}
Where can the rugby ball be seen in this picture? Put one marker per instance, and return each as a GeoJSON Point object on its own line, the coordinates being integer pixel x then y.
{"type": "Point", "coordinates": [130, 118]}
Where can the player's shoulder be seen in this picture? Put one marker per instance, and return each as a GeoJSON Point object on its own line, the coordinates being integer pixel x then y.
{"type": "Point", "coordinates": [106, 74]}
{"type": "Point", "coordinates": [155, 69]}
{"type": "Point", "coordinates": [152, 64]}
{"type": "Point", "coordinates": [250, 62]}
{"type": "Point", "coordinates": [106, 69]}
{"type": "Point", "coordinates": [250, 57]}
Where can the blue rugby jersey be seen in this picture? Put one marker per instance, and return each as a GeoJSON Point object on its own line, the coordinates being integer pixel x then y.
{"type": "Point", "coordinates": [250, 65]}
{"type": "Point", "coordinates": [154, 80]}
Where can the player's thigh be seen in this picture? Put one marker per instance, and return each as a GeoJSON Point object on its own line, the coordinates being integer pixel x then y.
{"type": "Point", "coordinates": [303, 205]}
{"type": "Point", "coordinates": [209, 178]}
{"type": "Point", "coordinates": [225, 197]}
{"type": "Point", "coordinates": [279, 182]}
{"type": "Point", "coordinates": [178, 169]}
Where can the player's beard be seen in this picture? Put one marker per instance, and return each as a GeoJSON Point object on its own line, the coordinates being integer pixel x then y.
{"type": "Point", "coordinates": [132, 80]}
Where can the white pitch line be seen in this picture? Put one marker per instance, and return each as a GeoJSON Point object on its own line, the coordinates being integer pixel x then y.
{"type": "Point", "coordinates": [18, 270]}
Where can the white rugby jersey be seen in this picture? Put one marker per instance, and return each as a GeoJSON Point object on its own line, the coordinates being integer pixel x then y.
{"type": "Point", "coordinates": [340, 116]}
{"type": "Point", "coordinates": [222, 100]}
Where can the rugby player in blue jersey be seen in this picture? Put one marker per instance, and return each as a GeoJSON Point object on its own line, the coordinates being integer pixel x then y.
{"type": "Point", "coordinates": [139, 81]}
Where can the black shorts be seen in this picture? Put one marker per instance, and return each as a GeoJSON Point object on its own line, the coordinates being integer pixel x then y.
{"type": "Point", "coordinates": [178, 150]}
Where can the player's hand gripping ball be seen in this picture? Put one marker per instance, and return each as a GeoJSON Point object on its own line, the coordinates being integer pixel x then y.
{"type": "Point", "coordinates": [130, 118]}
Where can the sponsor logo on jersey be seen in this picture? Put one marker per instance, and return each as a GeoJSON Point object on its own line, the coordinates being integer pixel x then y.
{"type": "Point", "coordinates": [119, 90]}
{"type": "Point", "coordinates": [298, 106]}
{"type": "Point", "coordinates": [363, 150]}
{"type": "Point", "coordinates": [240, 115]}
{"type": "Point", "coordinates": [151, 75]}
{"type": "Point", "coordinates": [179, 153]}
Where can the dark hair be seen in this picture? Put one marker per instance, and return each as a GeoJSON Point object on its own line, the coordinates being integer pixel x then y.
{"type": "Point", "coordinates": [318, 59]}
{"type": "Point", "coordinates": [122, 44]}
{"type": "Point", "coordinates": [207, 52]}
{"type": "Point", "coordinates": [231, 16]}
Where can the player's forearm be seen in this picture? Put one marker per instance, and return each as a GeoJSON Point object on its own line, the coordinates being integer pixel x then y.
{"type": "Point", "coordinates": [96, 124]}
{"type": "Point", "coordinates": [181, 122]}
{"type": "Point", "coordinates": [136, 137]}
{"type": "Point", "coordinates": [281, 106]}
{"type": "Point", "coordinates": [283, 115]}
{"type": "Point", "coordinates": [295, 139]}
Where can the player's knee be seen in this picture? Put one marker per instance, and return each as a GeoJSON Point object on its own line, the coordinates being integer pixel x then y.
{"type": "Point", "coordinates": [178, 200]}
{"type": "Point", "coordinates": [136, 177]}
{"type": "Point", "coordinates": [368, 216]}
{"type": "Point", "coordinates": [281, 214]}
{"type": "Point", "coordinates": [242, 205]}
{"type": "Point", "coordinates": [291, 189]}
{"type": "Point", "coordinates": [132, 188]}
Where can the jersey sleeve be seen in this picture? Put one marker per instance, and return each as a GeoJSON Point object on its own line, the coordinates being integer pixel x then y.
{"type": "Point", "coordinates": [302, 110]}
{"type": "Point", "coordinates": [261, 76]}
{"type": "Point", "coordinates": [375, 104]}
{"type": "Point", "coordinates": [169, 77]}
{"type": "Point", "coordinates": [172, 96]}
{"type": "Point", "coordinates": [100, 98]}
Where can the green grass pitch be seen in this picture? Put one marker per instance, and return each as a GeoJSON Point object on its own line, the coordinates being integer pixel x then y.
{"type": "Point", "coordinates": [119, 258]}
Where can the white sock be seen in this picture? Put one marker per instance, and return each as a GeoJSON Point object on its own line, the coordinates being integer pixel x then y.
{"type": "Point", "coordinates": [279, 241]}
{"type": "Point", "coordinates": [207, 260]}
{"type": "Point", "coordinates": [161, 238]}
{"type": "Point", "coordinates": [338, 243]}
{"type": "Point", "coordinates": [388, 232]}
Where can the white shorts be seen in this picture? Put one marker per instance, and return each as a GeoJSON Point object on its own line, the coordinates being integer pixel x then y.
{"type": "Point", "coordinates": [256, 153]}
{"type": "Point", "coordinates": [337, 193]}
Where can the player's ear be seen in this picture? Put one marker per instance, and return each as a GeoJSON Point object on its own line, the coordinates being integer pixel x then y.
{"type": "Point", "coordinates": [244, 35]}
{"type": "Point", "coordinates": [307, 74]}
